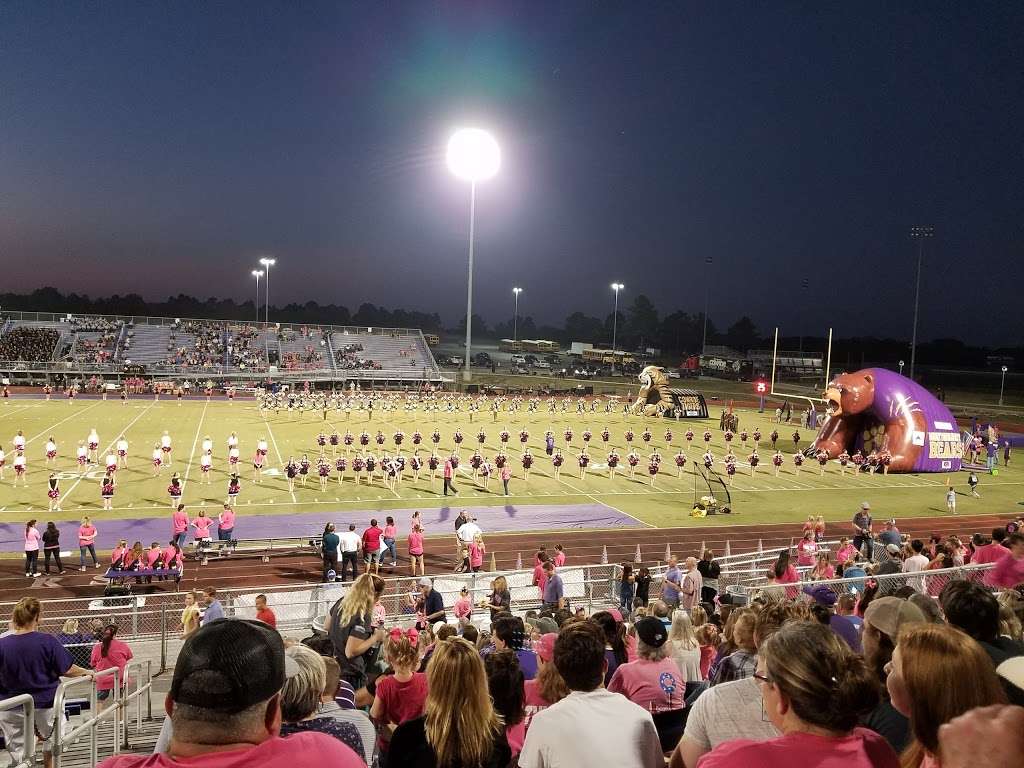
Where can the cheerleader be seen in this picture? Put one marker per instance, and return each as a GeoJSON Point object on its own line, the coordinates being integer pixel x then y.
{"type": "Point", "coordinates": [157, 458]}
{"type": "Point", "coordinates": [231, 395]}
{"type": "Point", "coordinates": [94, 444]}
{"type": "Point", "coordinates": [207, 446]}
{"type": "Point", "coordinates": [261, 446]}
{"type": "Point", "coordinates": [646, 435]}
{"type": "Point", "coordinates": [796, 439]}
{"type": "Point", "coordinates": [321, 441]}
{"type": "Point", "coordinates": [757, 438]}
{"type": "Point", "coordinates": [568, 438]}
{"type": "Point", "coordinates": [257, 466]}
{"type": "Point", "coordinates": [613, 463]}
{"type": "Point", "coordinates": [53, 493]}
{"type": "Point", "coordinates": [629, 436]}
{"type": "Point", "coordinates": [632, 458]}
{"type": "Point", "coordinates": [774, 436]}
{"type": "Point", "coordinates": [232, 441]}
{"type": "Point", "coordinates": [124, 396]}
{"type": "Point", "coordinates": [291, 469]}
{"type": "Point", "coordinates": [844, 459]}
{"type": "Point", "coordinates": [47, 390]}
{"type": "Point", "coordinates": [389, 469]}
{"type": "Point", "coordinates": [340, 465]}
{"type": "Point", "coordinates": [680, 463]}
{"type": "Point", "coordinates": [822, 457]}
{"type": "Point", "coordinates": [379, 438]}
{"type": "Point", "coordinates": [417, 437]}
{"type": "Point", "coordinates": [753, 460]}
{"type": "Point", "coordinates": [689, 439]}
{"type": "Point", "coordinates": [777, 460]}
{"type": "Point", "coordinates": [858, 462]}
{"type": "Point", "coordinates": [523, 437]}
{"type": "Point", "coordinates": [527, 463]}
{"type": "Point", "coordinates": [107, 492]}
{"type": "Point", "coordinates": [358, 464]}
{"type": "Point", "coordinates": [707, 437]}
{"type": "Point", "coordinates": [503, 437]}
{"type": "Point", "coordinates": [743, 439]}
{"type": "Point", "coordinates": [432, 463]}
{"type": "Point", "coordinates": [111, 463]}
{"type": "Point", "coordinates": [584, 462]}
{"type": "Point", "coordinates": [233, 456]}
{"type": "Point", "coordinates": [3, 461]}
{"type": "Point", "coordinates": [364, 439]}
{"type": "Point", "coordinates": [51, 452]}
{"type": "Point", "coordinates": [557, 460]}
{"type": "Point", "coordinates": [605, 435]}
{"type": "Point", "coordinates": [205, 464]}
{"type": "Point", "coordinates": [174, 490]}
{"type": "Point", "coordinates": [475, 461]}
{"type": "Point", "coordinates": [122, 452]}
{"type": "Point", "coordinates": [435, 437]}
{"type": "Point", "coordinates": [71, 394]}
{"type": "Point", "coordinates": [323, 470]}
{"type": "Point", "coordinates": [234, 485]}
{"type": "Point", "coordinates": [798, 461]}
{"type": "Point", "coordinates": [652, 469]}
{"type": "Point", "coordinates": [457, 437]}
{"type": "Point", "coordinates": [334, 440]}
{"type": "Point", "coordinates": [709, 461]}
{"type": "Point", "coordinates": [165, 447]}
{"type": "Point", "coordinates": [303, 468]}
{"type": "Point", "coordinates": [416, 465]}
{"type": "Point", "coordinates": [728, 437]}
{"type": "Point", "coordinates": [872, 463]}
{"type": "Point", "coordinates": [20, 469]}
{"type": "Point", "coordinates": [481, 437]}
{"type": "Point", "coordinates": [668, 437]}
{"type": "Point", "coordinates": [348, 440]}
{"type": "Point", "coordinates": [884, 458]}
{"type": "Point", "coordinates": [730, 466]}
{"type": "Point", "coordinates": [371, 465]}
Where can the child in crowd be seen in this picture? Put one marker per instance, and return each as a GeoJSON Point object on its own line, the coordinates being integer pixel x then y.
{"type": "Point", "coordinates": [401, 696]}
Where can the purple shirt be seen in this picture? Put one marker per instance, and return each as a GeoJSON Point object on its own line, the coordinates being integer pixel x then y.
{"type": "Point", "coordinates": [553, 589]}
{"type": "Point", "coordinates": [32, 663]}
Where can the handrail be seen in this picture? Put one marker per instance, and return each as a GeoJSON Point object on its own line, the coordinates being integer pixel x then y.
{"type": "Point", "coordinates": [137, 695]}
{"type": "Point", "coordinates": [62, 738]}
{"type": "Point", "coordinates": [28, 730]}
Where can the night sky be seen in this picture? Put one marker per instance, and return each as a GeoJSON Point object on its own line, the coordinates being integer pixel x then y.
{"type": "Point", "coordinates": [160, 147]}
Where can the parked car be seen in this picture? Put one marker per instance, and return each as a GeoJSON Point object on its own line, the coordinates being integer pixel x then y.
{"type": "Point", "coordinates": [519, 369]}
{"type": "Point", "coordinates": [542, 365]}
{"type": "Point", "coordinates": [518, 360]}
{"type": "Point", "coordinates": [455, 360]}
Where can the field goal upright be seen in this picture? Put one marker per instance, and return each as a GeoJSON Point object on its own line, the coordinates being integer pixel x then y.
{"type": "Point", "coordinates": [811, 399]}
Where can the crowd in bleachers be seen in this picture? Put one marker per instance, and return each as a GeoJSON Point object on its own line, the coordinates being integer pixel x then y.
{"type": "Point", "coordinates": [244, 350]}
{"type": "Point", "coordinates": [205, 350]}
{"type": "Point", "coordinates": [348, 358]}
{"type": "Point", "coordinates": [95, 325]}
{"type": "Point", "coordinates": [28, 343]}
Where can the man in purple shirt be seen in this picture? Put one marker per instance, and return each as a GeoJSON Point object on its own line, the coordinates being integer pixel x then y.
{"type": "Point", "coordinates": [554, 591]}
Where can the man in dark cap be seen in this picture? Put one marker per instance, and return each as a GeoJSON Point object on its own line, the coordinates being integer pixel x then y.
{"type": "Point", "coordinates": [224, 704]}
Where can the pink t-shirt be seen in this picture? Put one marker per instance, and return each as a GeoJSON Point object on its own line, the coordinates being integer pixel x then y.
{"type": "Point", "coordinates": [172, 557]}
{"type": "Point", "coordinates": [540, 578]}
{"type": "Point", "coordinates": [707, 655]}
{"type": "Point", "coordinates": [389, 531]}
{"type": "Point", "coordinates": [558, 559]}
{"type": "Point", "coordinates": [202, 525]}
{"type": "Point", "coordinates": [179, 521]}
{"type": "Point", "coordinates": [118, 655]}
{"type": "Point", "coordinates": [463, 608]}
{"type": "Point", "coordinates": [806, 550]}
{"type": "Point", "coordinates": [118, 553]}
{"type": "Point", "coordinates": [476, 555]}
{"type": "Point", "coordinates": [845, 553]}
{"type": "Point", "coordinates": [301, 750]}
{"type": "Point", "coordinates": [152, 555]}
{"type": "Point", "coordinates": [1009, 571]}
{"type": "Point", "coordinates": [989, 553]}
{"type": "Point", "coordinates": [415, 543]}
{"type": "Point", "coordinates": [32, 538]}
{"type": "Point", "coordinates": [533, 702]}
{"type": "Point", "coordinates": [789, 577]}
{"type": "Point", "coordinates": [861, 749]}
{"type": "Point", "coordinates": [657, 686]}
{"type": "Point", "coordinates": [86, 535]}
{"type": "Point", "coordinates": [227, 520]}
{"type": "Point", "coordinates": [401, 701]}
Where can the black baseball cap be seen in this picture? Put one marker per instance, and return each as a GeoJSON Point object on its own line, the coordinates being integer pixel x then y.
{"type": "Point", "coordinates": [229, 665]}
{"type": "Point", "coordinates": [652, 631]}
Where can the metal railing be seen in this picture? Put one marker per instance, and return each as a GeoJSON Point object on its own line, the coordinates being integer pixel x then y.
{"type": "Point", "coordinates": [27, 748]}
{"type": "Point", "coordinates": [140, 690]}
{"type": "Point", "coordinates": [63, 737]}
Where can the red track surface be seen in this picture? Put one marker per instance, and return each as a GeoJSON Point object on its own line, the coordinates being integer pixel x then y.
{"type": "Point", "coordinates": [582, 547]}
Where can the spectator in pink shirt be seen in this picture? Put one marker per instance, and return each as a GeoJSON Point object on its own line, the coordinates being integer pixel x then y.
{"type": "Point", "coordinates": [390, 531]}
{"type": "Point", "coordinates": [540, 578]}
{"type": "Point", "coordinates": [653, 681]}
{"type": "Point", "coordinates": [202, 524]}
{"type": "Point", "coordinates": [106, 654]}
{"type": "Point", "coordinates": [477, 550]}
{"type": "Point", "coordinates": [846, 551]}
{"type": "Point", "coordinates": [226, 524]}
{"type": "Point", "coordinates": [463, 607]}
{"type": "Point", "coordinates": [559, 558]}
{"type": "Point", "coordinates": [87, 542]}
{"type": "Point", "coordinates": [806, 549]}
{"type": "Point", "coordinates": [416, 549]}
{"type": "Point", "coordinates": [785, 573]}
{"type": "Point", "coordinates": [180, 524]}
{"type": "Point", "coordinates": [1009, 570]}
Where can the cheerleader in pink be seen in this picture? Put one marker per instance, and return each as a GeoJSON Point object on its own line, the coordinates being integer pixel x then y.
{"type": "Point", "coordinates": [257, 467]}
{"type": "Point", "coordinates": [122, 452]}
{"type": "Point", "coordinates": [165, 448]}
{"type": "Point", "coordinates": [20, 470]}
{"type": "Point", "coordinates": [53, 493]}
{"type": "Point", "coordinates": [234, 486]}
{"type": "Point", "coordinates": [94, 444]}
{"type": "Point", "coordinates": [51, 452]}
{"type": "Point", "coordinates": [202, 524]}
{"type": "Point", "coordinates": [205, 465]}
{"type": "Point", "coordinates": [174, 490]}
{"type": "Point", "coordinates": [158, 459]}
{"type": "Point", "coordinates": [613, 462]}
{"type": "Point", "coordinates": [107, 493]}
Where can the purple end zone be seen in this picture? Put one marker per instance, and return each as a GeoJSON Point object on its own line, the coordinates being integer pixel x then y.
{"type": "Point", "coordinates": [436, 520]}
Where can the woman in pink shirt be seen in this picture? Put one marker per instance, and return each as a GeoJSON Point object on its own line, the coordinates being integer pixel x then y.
{"type": "Point", "coordinates": [559, 558]}
{"type": "Point", "coordinates": [477, 550]}
{"type": "Point", "coordinates": [87, 542]}
{"type": "Point", "coordinates": [117, 557]}
{"type": "Point", "coordinates": [32, 539]}
{"type": "Point", "coordinates": [653, 681]}
{"type": "Point", "coordinates": [226, 524]}
{"type": "Point", "coordinates": [202, 524]}
{"type": "Point", "coordinates": [785, 573]}
{"type": "Point", "coordinates": [180, 524]}
{"type": "Point", "coordinates": [545, 689]}
{"type": "Point", "coordinates": [106, 654]}
{"type": "Point", "coordinates": [390, 531]}
{"type": "Point", "coordinates": [463, 607]}
{"type": "Point", "coordinates": [846, 551]}
{"type": "Point", "coordinates": [416, 549]}
{"type": "Point", "coordinates": [806, 549]}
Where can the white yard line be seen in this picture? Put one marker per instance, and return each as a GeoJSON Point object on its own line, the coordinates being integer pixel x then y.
{"type": "Point", "coordinates": [280, 458]}
{"type": "Point", "coordinates": [50, 429]}
{"type": "Point", "coordinates": [195, 442]}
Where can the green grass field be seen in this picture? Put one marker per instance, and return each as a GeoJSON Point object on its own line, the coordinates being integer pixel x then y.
{"type": "Point", "coordinates": [759, 498]}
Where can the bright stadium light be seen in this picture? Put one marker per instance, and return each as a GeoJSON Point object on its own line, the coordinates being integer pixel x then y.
{"type": "Point", "coordinates": [473, 155]}
{"type": "Point", "coordinates": [515, 317]}
{"type": "Point", "coordinates": [257, 273]}
{"type": "Point", "coordinates": [267, 263]}
{"type": "Point", "coordinates": [615, 320]}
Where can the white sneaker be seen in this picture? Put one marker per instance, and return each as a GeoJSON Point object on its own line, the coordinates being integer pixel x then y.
{"type": "Point", "coordinates": [37, 574]}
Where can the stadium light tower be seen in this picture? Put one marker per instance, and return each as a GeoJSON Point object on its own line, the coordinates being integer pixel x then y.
{"type": "Point", "coordinates": [473, 155]}
{"type": "Point", "coordinates": [515, 317]}
{"type": "Point", "coordinates": [615, 320]}
{"type": "Point", "coordinates": [707, 282]}
{"type": "Point", "coordinates": [257, 273]}
{"type": "Point", "coordinates": [1002, 382]}
{"type": "Point", "coordinates": [920, 234]}
{"type": "Point", "coordinates": [267, 264]}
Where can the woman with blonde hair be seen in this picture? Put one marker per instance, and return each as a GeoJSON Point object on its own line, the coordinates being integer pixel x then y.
{"type": "Point", "coordinates": [500, 600]}
{"type": "Point", "coordinates": [351, 630]}
{"type": "Point", "coordinates": [698, 616]}
{"type": "Point", "coordinates": [190, 614]}
{"type": "Point", "coordinates": [814, 689]}
{"type": "Point", "coordinates": [460, 728]}
{"type": "Point", "coordinates": [926, 659]}
{"type": "Point", "coordinates": [684, 648]}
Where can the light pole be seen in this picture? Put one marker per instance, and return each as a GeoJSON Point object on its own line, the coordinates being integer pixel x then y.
{"type": "Point", "coordinates": [267, 263]}
{"type": "Point", "coordinates": [257, 273]}
{"type": "Point", "coordinates": [515, 317]}
{"type": "Point", "coordinates": [615, 320]}
{"type": "Point", "coordinates": [473, 155]}
{"type": "Point", "coordinates": [920, 234]}
{"type": "Point", "coordinates": [707, 283]}
{"type": "Point", "coordinates": [1002, 381]}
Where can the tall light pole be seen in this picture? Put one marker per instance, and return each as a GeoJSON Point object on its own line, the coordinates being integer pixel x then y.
{"type": "Point", "coordinates": [473, 155]}
{"type": "Point", "coordinates": [257, 273]}
{"type": "Point", "coordinates": [515, 317]}
{"type": "Point", "coordinates": [707, 288]}
{"type": "Point", "coordinates": [615, 320]}
{"type": "Point", "coordinates": [920, 234]}
{"type": "Point", "coordinates": [268, 263]}
{"type": "Point", "coordinates": [1002, 381]}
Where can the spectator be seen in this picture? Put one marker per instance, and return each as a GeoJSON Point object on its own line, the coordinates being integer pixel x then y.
{"type": "Point", "coordinates": [401, 696]}
{"type": "Point", "coordinates": [684, 648]}
{"type": "Point", "coordinates": [460, 726]}
{"type": "Point", "coordinates": [264, 613]}
{"type": "Point", "coordinates": [372, 547]}
{"type": "Point", "coordinates": [671, 583]}
{"type": "Point", "coordinates": [1008, 573]}
{"type": "Point", "coordinates": [862, 533]}
{"type": "Point", "coordinates": [916, 563]}
{"type": "Point", "coordinates": [627, 589]}
{"type": "Point", "coordinates": [653, 681]}
{"type": "Point", "coordinates": [822, 570]}
{"type": "Point", "coordinates": [76, 643]}
{"type": "Point", "coordinates": [32, 540]}
{"type": "Point", "coordinates": [509, 633]}
{"type": "Point", "coordinates": [742, 661]}
{"type": "Point", "coordinates": [547, 687]}
{"type": "Point", "coordinates": [710, 570]}
{"type": "Point", "coordinates": [51, 547]}
{"type": "Point", "coordinates": [614, 643]}
{"type": "Point", "coordinates": [926, 659]}
{"type": "Point", "coordinates": [554, 590]}
{"type": "Point", "coordinates": [846, 606]}
{"type": "Point", "coordinates": [190, 615]}
{"type": "Point", "coordinates": [329, 544]}
{"type": "Point", "coordinates": [110, 653]}
{"type": "Point", "coordinates": [32, 662]}
{"type": "Point", "coordinates": [224, 700]}
{"type": "Point", "coordinates": [500, 600]}
{"type": "Point", "coordinates": [643, 588]}
{"type": "Point", "coordinates": [350, 545]}
{"type": "Point", "coordinates": [806, 550]}
{"type": "Point", "coordinates": [590, 726]}
{"type": "Point", "coordinates": [87, 542]}
{"type": "Point", "coordinates": [431, 604]}
{"type": "Point", "coordinates": [884, 620]}
{"type": "Point", "coordinates": [349, 626]}
{"type": "Point", "coordinates": [540, 576]}
{"type": "Point", "coordinates": [708, 638]}
{"type": "Point", "coordinates": [506, 685]}
{"type": "Point", "coordinates": [890, 534]}
{"type": "Point", "coordinates": [213, 609]}
{"type": "Point", "coordinates": [346, 712]}
{"type": "Point", "coordinates": [692, 585]}
{"type": "Point", "coordinates": [822, 610]}
{"type": "Point", "coordinates": [300, 700]}
{"type": "Point", "coordinates": [814, 688]}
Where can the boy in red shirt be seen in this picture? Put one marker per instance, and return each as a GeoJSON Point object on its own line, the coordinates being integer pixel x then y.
{"type": "Point", "coordinates": [263, 613]}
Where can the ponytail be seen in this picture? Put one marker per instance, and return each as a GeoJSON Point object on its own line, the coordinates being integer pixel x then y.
{"type": "Point", "coordinates": [107, 638]}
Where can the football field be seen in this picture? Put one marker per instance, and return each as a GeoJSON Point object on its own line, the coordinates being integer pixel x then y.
{"type": "Point", "coordinates": [761, 497]}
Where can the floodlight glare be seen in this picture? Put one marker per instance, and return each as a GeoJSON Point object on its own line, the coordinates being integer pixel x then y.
{"type": "Point", "coordinates": [473, 154]}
